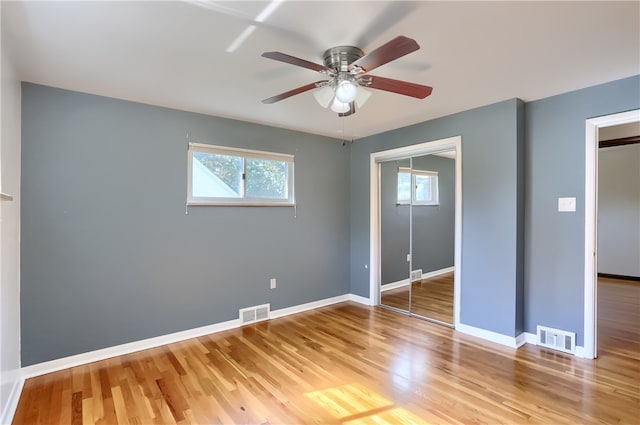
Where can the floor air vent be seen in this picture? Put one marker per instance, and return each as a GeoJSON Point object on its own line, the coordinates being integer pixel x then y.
{"type": "Point", "coordinates": [254, 314]}
{"type": "Point", "coordinates": [557, 339]}
{"type": "Point", "coordinates": [416, 275]}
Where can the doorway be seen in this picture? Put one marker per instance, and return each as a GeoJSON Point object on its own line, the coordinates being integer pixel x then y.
{"type": "Point", "coordinates": [415, 262]}
{"type": "Point", "coordinates": [592, 131]}
{"type": "Point", "coordinates": [618, 240]}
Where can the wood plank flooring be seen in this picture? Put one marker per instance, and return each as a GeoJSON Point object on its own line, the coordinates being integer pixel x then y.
{"type": "Point", "coordinates": [350, 364]}
{"type": "Point", "coordinates": [432, 298]}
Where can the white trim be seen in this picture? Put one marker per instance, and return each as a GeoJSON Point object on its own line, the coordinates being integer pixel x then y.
{"type": "Point", "coordinates": [405, 282]}
{"type": "Point", "coordinates": [309, 306]}
{"type": "Point", "coordinates": [509, 341]}
{"type": "Point", "coordinates": [122, 349]}
{"type": "Point", "coordinates": [240, 204]}
{"type": "Point", "coordinates": [394, 285]}
{"type": "Point", "coordinates": [119, 350]}
{"type": "Point", "coordinates": [131, 347]}
{"type": "Point", "coordinates": [242, 200]}
{"type": "Point", "coordinates": [228, 150]}
{"type": "Point", "coordinates": [359, 299]}
{"type": "Point", "coordinates": [581, 352]}
{"type": "Point", "coordinates": [433, 147]}
{"type": "Point", "coordinates": [530, 338]}
{"type": "Point", "coordinates": [592, 127]}
{"type": "Point", "coordinates": [521, 340]}
{"type": "Point", "coordinates": [9, 410]}
{"type": "Point", "coordinates": [440, 272]}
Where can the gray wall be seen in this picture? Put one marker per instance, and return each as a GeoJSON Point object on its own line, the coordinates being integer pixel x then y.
{"type": "Point", "coordinates": [433, 225]}
{"type": "Point", "coordinates": [555, 158]}
{"type": "Point", "coordinates": [394, 226]}
{"type": "Point", "coordinates": [108, 254]}
{"type": "Point", "coordinates": [619, 210]}
{"type": "Point", "coordinates": [490, 181]}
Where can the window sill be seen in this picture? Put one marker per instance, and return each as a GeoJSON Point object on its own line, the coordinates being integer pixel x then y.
{"type": "Point", "coordinates": [415, 205]}
{"type": "Point", "coordinates": [240, 204]}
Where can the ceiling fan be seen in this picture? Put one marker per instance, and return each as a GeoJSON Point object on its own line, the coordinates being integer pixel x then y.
{"type": "Point", "coordinates": [347, 69]}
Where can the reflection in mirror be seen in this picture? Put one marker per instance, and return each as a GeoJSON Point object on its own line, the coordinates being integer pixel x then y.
{"type": "Point", "coordinates": [433, 236]}
{"type": "Point", "coordinates": [395, 235]}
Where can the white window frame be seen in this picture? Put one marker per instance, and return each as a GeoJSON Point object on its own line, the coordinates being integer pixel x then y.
{"type": "Point", "coordinates": [434, 187]}
{"type": "Point", "coordinates": [245, 154]}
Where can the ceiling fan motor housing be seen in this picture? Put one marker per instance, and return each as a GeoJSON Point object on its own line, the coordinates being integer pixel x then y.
{"type": "Point", "coordinates": [340, 57]}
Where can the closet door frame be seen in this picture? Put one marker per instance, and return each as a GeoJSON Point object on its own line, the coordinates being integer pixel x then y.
{"type": "Point", "coordinates": [374, 208]}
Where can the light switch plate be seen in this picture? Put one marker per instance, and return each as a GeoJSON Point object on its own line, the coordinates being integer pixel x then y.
{"type": "Point", "coordinates": [567, 204]}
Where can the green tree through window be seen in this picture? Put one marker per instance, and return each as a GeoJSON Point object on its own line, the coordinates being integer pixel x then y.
{"type": "Point", "coordinates": [240, 174]}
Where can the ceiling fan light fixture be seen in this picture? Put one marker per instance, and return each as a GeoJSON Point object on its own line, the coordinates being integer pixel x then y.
{"type": "Point", "coordinates": [361, 96]}
{"type": "Point", "coordinates": [346, 91]}
{"type": "Point", "coordinates": [324, 95]}
{"type": "Point", "coordinates": [339, 107]}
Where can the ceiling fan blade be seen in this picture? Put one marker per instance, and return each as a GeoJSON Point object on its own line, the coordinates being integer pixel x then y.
{"type": "Point", "coordinates": [392, 50]}
{"type": "Point", "coordinates": [283, 57]}
{"type": "Point", "coordinates": [290, 93]}
{"type": "Point", "coordinates": [400, 87]}
{"type": "Point", "coordinates": [351, 111]}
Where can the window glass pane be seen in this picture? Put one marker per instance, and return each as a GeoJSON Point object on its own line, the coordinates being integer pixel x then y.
{"type": "Point", "coordinates": [217, 176]}
{"type": "Point", "coordinates": [424, 188]}
{"type": "Point", "coordinates": [267, 179]}
{"type": "Point", "coordinates": [404, 187]}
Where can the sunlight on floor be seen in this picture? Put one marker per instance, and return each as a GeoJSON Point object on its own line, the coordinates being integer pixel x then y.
{"type": "Point", "coordinates": [355, 404]}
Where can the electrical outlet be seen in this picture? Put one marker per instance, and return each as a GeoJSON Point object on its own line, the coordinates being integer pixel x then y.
{"type": "Point", "coordinates": [272, 283]}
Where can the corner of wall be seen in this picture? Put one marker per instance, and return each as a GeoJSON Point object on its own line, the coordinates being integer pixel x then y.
{"type": "Point", "coordinates": [520, 214]}
{"type": "Point", "coordinates": [10, 120]}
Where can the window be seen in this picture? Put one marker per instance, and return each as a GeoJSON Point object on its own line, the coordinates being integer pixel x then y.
{"type": "Point", "coordinates": [228, 176]}
{"type": "Point", "coordinates": [424, 184]}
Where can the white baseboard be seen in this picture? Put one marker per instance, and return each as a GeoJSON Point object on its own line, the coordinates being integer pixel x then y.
{"type": "Point", "coordinates": [581, 352]}
{"type": "Point", "coordinates": [521, 340]}
{"type": "Point", "coordinates": [438, 272]}
{"type": "Point", "coordinates": [509, 341]}
{"type": "Point", "coordinates": [119, 350]}
{"type": "Point", "coordinates": [394, 285]}
{"type": "Point", "coordinates": [9, 409]}
{"type": "Point", "coordinates": [530, 338]}
{"type": "Point", "coordinates": [131, 347]}
{"type": "Point", "coordinates": [405, 282]}
{"type": "Point", "coordinates": [308, 306]}
{"type": "Point", "coordinates": [359, 299]}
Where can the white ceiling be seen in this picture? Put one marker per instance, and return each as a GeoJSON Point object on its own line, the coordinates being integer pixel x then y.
{"type": "Point", "coordinates": [174, 54]}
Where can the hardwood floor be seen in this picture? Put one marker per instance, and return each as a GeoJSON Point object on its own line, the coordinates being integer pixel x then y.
{"type": "Point", "coordinates": [397, 297]}
{"type": "Point", "coordinates": [432, 298]}
{"type": "Point", "coordinates": [619, 318]}
{"type": "Point", "coordinates": [349, 364]}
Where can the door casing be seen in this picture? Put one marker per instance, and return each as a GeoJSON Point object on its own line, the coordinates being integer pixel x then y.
{"type": "Point", "coordinates": [374, 208]}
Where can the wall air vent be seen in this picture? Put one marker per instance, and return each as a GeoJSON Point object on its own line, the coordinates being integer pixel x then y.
{"type": "Point", "coordinates": [254, 314]}
{"type": "Point", "coordinates": [557, 339]}
{"type": "Point", "coordinates": [416, 275]}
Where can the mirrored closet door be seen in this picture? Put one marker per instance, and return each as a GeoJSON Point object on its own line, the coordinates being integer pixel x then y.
{"type": "Point", "coordinates": [417, 230]}
{"type": "Point", "coordinates": [395, 234]}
